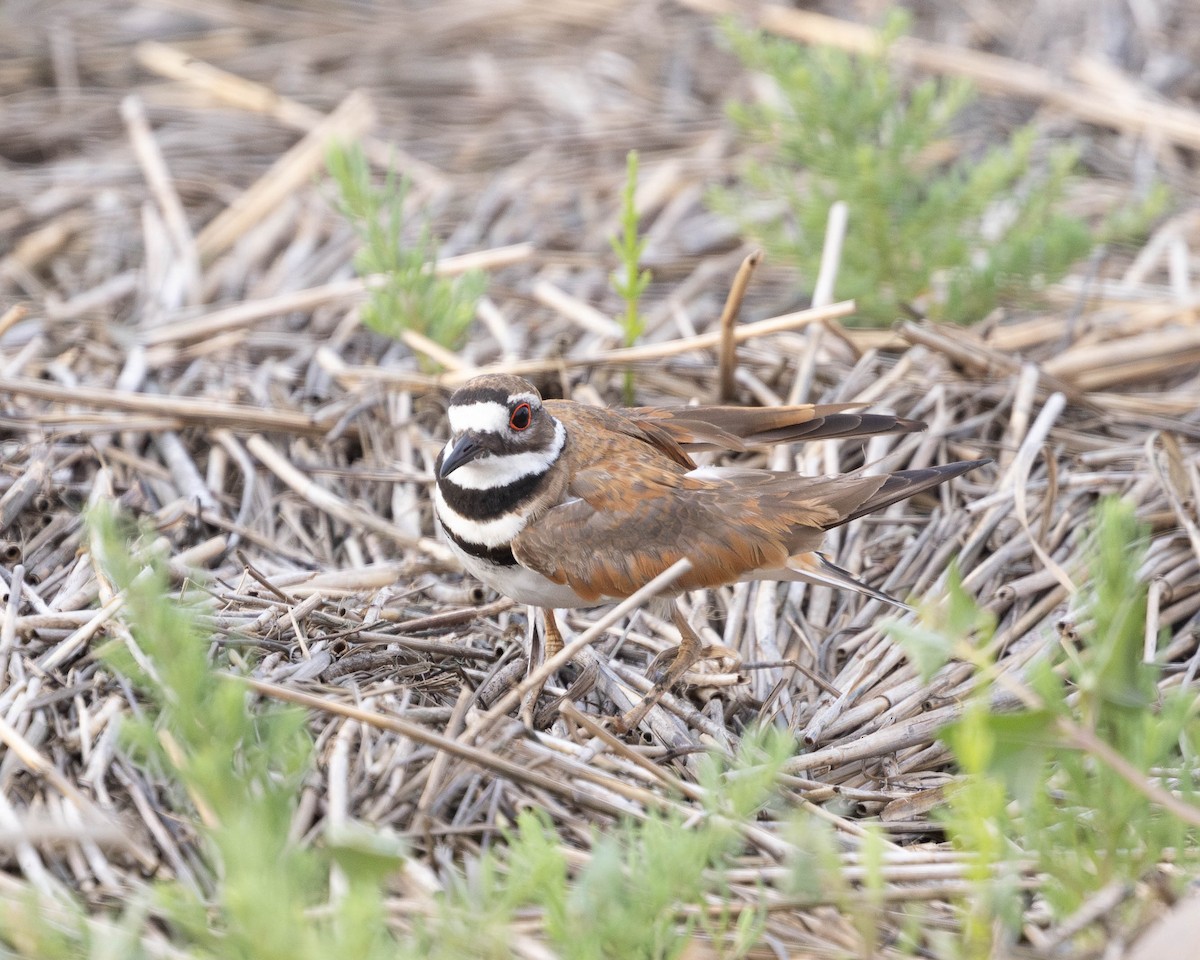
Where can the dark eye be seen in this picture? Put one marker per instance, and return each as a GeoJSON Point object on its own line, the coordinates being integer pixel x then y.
{"type": "Point", "coordinates": [521, 417]}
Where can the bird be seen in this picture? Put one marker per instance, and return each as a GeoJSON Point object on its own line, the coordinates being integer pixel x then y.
{"type": "Point", "coordinates": [561, 504]}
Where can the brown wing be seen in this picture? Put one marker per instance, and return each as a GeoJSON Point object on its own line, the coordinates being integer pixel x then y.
{"type": "Point", "coordinates": [677, 432]}
{"type": "Point", "coordinates": [584, 424]}
{"type": "Point", "coordinates": [631, 520]}
{"type": "Point", "coordinates": [736, 428]}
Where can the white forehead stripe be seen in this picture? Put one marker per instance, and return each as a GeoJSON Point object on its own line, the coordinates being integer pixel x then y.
{"type": "Point", "coordinates": [488, 416]}
{"type": "Point", "coordinates": [490, 473]}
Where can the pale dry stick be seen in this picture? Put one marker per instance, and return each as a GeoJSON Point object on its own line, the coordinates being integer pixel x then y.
{"type": "Point", "coordinates": [831, 254]}
{"type": "Point", "coordinates": [337, 803]}
{"type": "Point", "coordinates": [1005, 491]}
{"type": "Point", "coordinates": [371, 577]}
{"type": "Point", "coordinates": [667, 701]}
{"type": "Point", "coordinates": [762, 643]}
{"type": "Point", "coordinates": [1103, 365]}
{"type": "Point", "coordinates": [1022, 464]}
{"type": "Point", "coordinates": [577, 311]}
{"type": "Point", "coordinates": [349, 120]}
{"type": "Point", "coordinates": [419, 343]}
{"type": "Point", "coordinates": [1171, 478]}
{"type": "Point", "coordinates": [185, 475]}
{"type": "Point", "coordinates": [1178, 269]}
{"type": "Point", "coordinates": [653, 351]}
{"type": "Point", "coordinates": [767, 841]}
{"type": "Point", "coordinates": [879, 385]}
{"type": "Point", "coordinates": [39, 246]}
{"type": "Point", "coordinates": [1179, 612]}
{"type": "Point", "coordinates": [1127, 311]}
{"type": "Point", "coordinates": [29, 483]}
{"type": "Point", "coordinates": [866, 672]}
{"type": "Point", "coordinates": [245, 314]}
{"type": "Point", "coordinates": [66, 423]}
{"type": "Point", "coordinates": [228, 443]}
{"type": "Point", "coordinates": [63, 651]}
{"type": "Point", "coordinates": [1087, 741]}
{"type": "Point", "coordinates": [727, 353]}
{"type": "Point", "coordinates": [961, 347]}
{"type": "Point", "coordinates": [96, 298]}
{"type": "Point", "coordinates": [44, 770]}
{"type": "Point", "coordinates": [1101, 904]}
{"type": "Point", "coordinates": [1154, 249]}
{"type": "Point", "coordinates": [12, 316]}
{"type": "Point", "coordinates": [207, 411]}
{"type": "Point", "coordinates": [856, 873]}
{"type": "Point", "coordinates": [441, 762]}
{"type": "Point", "coordinates": [618, 746]}
{"type": "Point", "coordinates": [245, 94]}
{"type": "Point", "coordinates": [34, 348]}
{"type": "Point", "coordinates": [158, 178]}
{"type": "Point", "coordinates": [91, 846]}
{"type": "Point", "coordinates": [1018, 422]}
{"type": "Point", "coordinates": [334, 505]}
{"type": "Point", "coordinates": [31, 595]}
{"type": "Point", "coordinates": [1153, 605]}
{"type": "Point", "coordinates": [492, 318]}
{"type": "Point", "coordinates": [8, 632]}
{"type": "Point", "coordinates": [918, 730]}
{"type": "Point", "coordinates": [827, 272]}
{"type": "Point", "coordinates": [483, 759]}
{"type": "Point", "coordinates": [27, 859]}
{"type": "Point", "coordinates": [1030, 585]}
{"type": "Point", "coordinates": [47, 832]}
{"type": "Point", "coordinates": [182, 566]}
{"type": "Point", "coordinates": [884, 708]}
{"type": "Point", "coordinates": [589, 773]}
{"type": "Point", "coordinates": [175, 753]}
{"type": "Point", "coordinates": [543, 673]}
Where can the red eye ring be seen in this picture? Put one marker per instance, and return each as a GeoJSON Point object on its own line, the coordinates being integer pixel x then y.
{"type": "Point", "coordinates": [521, 417]}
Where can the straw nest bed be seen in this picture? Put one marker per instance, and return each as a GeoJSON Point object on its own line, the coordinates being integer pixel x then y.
{"type": "Point", "coordinates": [181, 336]}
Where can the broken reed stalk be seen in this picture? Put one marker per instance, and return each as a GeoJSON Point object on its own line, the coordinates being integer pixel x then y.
{"type": "Point", "coordinates": [727, 356]}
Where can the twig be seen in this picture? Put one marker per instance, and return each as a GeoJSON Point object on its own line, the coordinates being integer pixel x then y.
{"type": "Point", "coordinates": [353, 116]}
{"type": "Point", "coordinates": [727, 358]}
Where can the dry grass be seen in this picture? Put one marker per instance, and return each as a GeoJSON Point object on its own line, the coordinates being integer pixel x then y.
{"type": "Point", "coordinates": [180, 335]}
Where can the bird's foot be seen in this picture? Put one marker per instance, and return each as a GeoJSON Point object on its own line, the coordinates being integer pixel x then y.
{"type": "Point", "coordinates": [666, 670]}
{"type": "Point", "coordinates": [551, 643]}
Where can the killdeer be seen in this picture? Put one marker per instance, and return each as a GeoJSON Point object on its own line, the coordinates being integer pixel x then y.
{"type": "Point", "coordinates": [560, 504]}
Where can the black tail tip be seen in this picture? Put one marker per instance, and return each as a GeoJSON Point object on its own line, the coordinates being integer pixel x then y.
{"type": "Point", "coordinates": [966, 466]}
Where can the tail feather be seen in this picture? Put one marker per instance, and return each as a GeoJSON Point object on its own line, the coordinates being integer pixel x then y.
{"type": "Point", "coordinates": [908, 483]}
{"type": "Point", "coordinates": [818, 569]}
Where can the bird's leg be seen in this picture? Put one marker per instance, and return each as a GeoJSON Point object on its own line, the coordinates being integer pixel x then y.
{"type": "Point", "coordinates": [551, 642]}
{"type": "Point", "coordinates": [690, 649]}
{"type": "Point", "coordinates": [554, 638]}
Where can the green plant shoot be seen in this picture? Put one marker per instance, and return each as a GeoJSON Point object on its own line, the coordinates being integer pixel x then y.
{"type": "Point", "coordinates": [629, 280]}
{"type": "Point", "coordinates": [410, 296]}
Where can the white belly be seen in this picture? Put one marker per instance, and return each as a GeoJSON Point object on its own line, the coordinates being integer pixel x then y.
{"type": "Point", "coordinates": [520, 583]}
